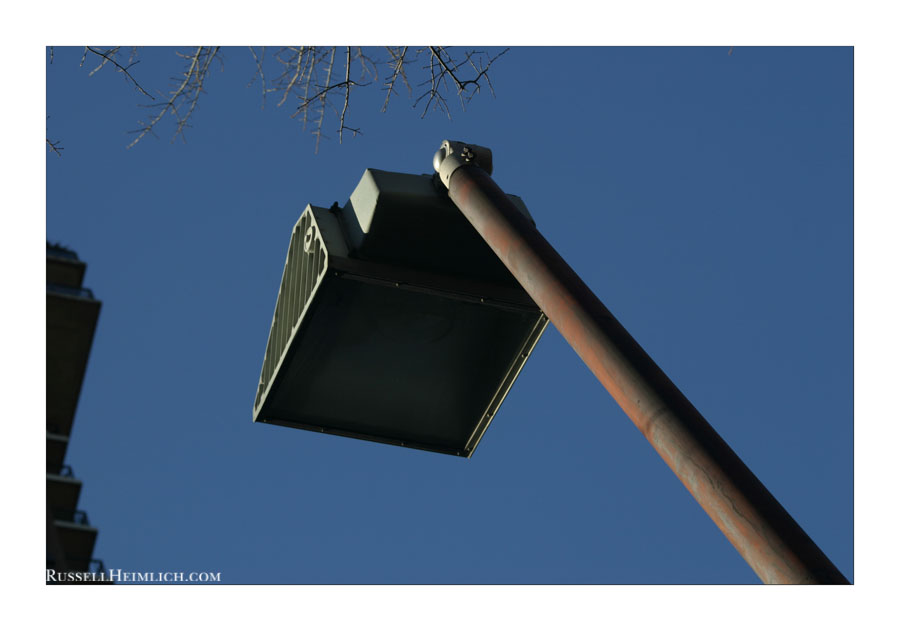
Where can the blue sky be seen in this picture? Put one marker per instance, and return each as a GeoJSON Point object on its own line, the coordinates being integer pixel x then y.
{"type": "Point", "coordinates": [706, 198]}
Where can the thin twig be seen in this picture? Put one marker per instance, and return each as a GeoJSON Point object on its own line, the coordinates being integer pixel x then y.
{"type": "Point", "coordinates": [296, 76]}
{"type": "Point", "coordinates": [55, 146]}
{"type": "Point", "coordinates": [346, 98]}
{"type": "Point", "coordinates": [259, 73]}
{"type": "Point", "coordinates": [306, 73]}
{"type": "Point", "coordinates": [324, 98]}
{"type": "Point", "coordinates": [120, 67]}
{"type": "Point", "coordinates": [171, 104]}
{"type": "Point", "coordinates": [398, 71]}
{"type": "Point", "coordinates": [200, 76]}
{"type": "Point", "coordinates": [189, 91]}
{"type": "Point", "coordinates": [434, 93]}
{"type": "Point", "coordinates": [462, 84]}
{"type": "Point", "coordinates": [106, 58]}
{"type": "Point", "coordinates": [369, 67]}
{"type": "Point", "coordinates": [309, 70]}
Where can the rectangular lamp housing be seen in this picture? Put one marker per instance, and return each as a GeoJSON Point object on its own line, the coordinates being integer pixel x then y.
{"type": "Point", "coordinates": [394, 322]}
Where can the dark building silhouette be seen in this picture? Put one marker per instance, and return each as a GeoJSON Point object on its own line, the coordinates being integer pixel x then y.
{"type": "Point", "coordinates": [72, 313]}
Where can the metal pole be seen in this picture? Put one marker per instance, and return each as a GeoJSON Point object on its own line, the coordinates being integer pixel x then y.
{"type": "Point", "coordinates": [761, 530]}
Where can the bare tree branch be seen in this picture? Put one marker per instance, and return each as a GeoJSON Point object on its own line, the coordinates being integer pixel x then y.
{"type": "Point", "coordinates": [346, 99]}
{"type": "Point", "coordinates": [307, 75]}
{"type": "Point", "coordinates": [300, 62]}
{"type": "Point", "coordinates": [55, 146]}
{"type": "Point", "coordinates": [259, 73]}
{"type": "Point", "coordinates": [463, 84]}
{"type": "Point", "coordinates": [397, 70]}
{"type": "Point", "coordinates": [107, 57]}
{"type": "Point", "coordinates": [186, 94]}
{"type": "Point", "coordinates": [368, 66]}
{"type": "Point", "coordinates": [436, 82]}
{"type": "Point", "coordinates": [309, 70]}
{"type": "Point", "coordinates": [323, 96]}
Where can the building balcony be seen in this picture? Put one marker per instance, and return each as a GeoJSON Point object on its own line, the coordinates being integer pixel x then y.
{"type": "Point", "coordinates": [57, 444]}
{"type": "Point", "coordinates": [63, 489]}
{"type": "Point", "coordinates": [72, 314]}
{"type": "Point", "coordinates": [63, 267]}
{"type": "Point", "coordinates": [76, 537]}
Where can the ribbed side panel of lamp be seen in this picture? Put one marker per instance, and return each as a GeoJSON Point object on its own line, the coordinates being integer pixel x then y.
{"type": "Point", "coordinates": [303, 269]}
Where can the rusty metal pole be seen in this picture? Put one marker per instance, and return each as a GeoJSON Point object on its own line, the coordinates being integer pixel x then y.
{"type": "Point", "coordinates": [761, 530]}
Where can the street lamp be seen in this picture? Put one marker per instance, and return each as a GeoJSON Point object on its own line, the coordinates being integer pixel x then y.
{"type": "Point", "coordinates": [761, 530]}
{"type": "Point", "coordinates": [395, 322]}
